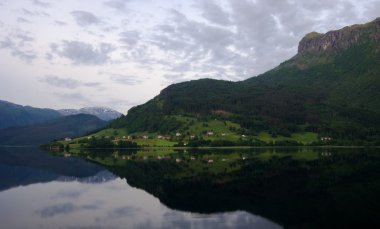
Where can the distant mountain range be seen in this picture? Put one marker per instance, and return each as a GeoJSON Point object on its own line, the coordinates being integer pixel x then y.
{"type": "Point", "coordinates": [103, 113]}
{"type": "Point", "coordinates": [17, 115]}
{"type": "Point", "coordinates": [331, 87]}
{"type": "Point", "coordinates": [36, 134]}
{"type": "Point", "coordinates": [13, 115]}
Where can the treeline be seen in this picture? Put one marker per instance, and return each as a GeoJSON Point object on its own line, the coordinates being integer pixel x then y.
{"type": "Point", "coordinates": [106, 143]}
{"type": "Point", "coordinates": [200, 142]}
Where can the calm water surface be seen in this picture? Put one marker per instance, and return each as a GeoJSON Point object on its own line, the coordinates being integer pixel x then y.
{"type": "Point", "coordinates": [38, 190]}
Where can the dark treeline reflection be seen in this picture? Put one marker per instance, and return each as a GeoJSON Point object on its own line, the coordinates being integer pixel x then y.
{"type": "Point", "coordinates": [298, 188]}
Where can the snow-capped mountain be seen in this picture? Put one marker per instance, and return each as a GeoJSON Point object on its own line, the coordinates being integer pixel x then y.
{"type": "Point", "coordinates": [100, 112]}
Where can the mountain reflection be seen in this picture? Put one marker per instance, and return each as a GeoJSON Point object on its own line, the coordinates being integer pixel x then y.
{"type": "Point", "coordinates": [111, 204]}
{"type": "Point", "coordinates": [59, 192]}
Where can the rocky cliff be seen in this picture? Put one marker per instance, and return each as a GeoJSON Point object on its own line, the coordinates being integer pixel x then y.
{"type": "Point", "coordinates": [335, 41]}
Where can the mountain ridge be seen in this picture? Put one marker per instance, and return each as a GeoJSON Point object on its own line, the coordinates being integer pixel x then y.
{"type": "Point", "coordinates": [66, 126]}
{"type": "Point", "coordinates": [12, 114]}
{"type": "Point", "coordinates": [103, 113]}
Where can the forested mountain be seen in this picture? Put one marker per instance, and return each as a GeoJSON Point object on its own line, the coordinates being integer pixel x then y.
{"type": "Point", "coordinates": [17, 115]}
{"type": "Point", "coordinates": [331, 87]}
{"type": "Point", "coordinates": [68, 126]}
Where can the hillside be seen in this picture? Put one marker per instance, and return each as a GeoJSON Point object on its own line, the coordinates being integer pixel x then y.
{"type": "Point", "coordinates": [331, 87]}
{"type": "Point", "coordinates": [69, 126]}
{"type": "Point", "coordinates": [17, 115]}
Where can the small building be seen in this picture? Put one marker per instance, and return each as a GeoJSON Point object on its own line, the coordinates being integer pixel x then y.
{"type": "Point", "coordinates": [160, 137]}
{"type": "Point", "coordinates": [67, 139]}
{"type": "Point", "coordinates": [210, 161]}
{"type": "Point", "coordinates": [326, 139]}
{"type": "Point", "coordinates": [192, 136]}
{"type": "Point", "coordinates": [210, 133]}
{"type": "Point", "coordinates": [178, 134]}
{"type": "Point", "coordinates": [145, 137]}
{"type": "Point", "coordinates": [178, 160]}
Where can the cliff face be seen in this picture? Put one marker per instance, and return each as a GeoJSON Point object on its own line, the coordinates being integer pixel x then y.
{"type": "Point", "coordinates": [334, 41]}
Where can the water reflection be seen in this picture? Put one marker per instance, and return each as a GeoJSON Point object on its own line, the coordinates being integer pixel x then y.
{"type": "Point", "coordinates": [110, 204]}
{"type": "Point", "coordinates": [296, 187]}
{"type": "Point", "coordinates": [43, 191]}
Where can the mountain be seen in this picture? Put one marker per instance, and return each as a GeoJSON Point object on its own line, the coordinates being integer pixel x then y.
{"type": "Point", "coordinates": [103, 113]}
{"type": "Point", "coordinates": [17, 115]}
{"type": "Point", "coordinates": [330, 87]}
{"type": "Point", "coordinates": [68, 126]}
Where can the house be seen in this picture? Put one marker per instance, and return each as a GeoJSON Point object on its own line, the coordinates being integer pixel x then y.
{"type": "Point", "coordinates": [210, 161]}
{"type": "Point", "coordinates": [68, 139]}
{"type": "Point", "coordinates": [192, 158]}
{"type": "Point", "coordinates": [325, 139]}
{"type": "Point", "coordinates": [210, 133]}
{"type": "Point", "coordinates": [192, 136]}
{"type": "Point", "coordinates": [160, 137]}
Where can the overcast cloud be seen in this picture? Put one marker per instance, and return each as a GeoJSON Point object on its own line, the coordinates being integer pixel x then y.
{"type": "Point", "coordinates": [129, 50]}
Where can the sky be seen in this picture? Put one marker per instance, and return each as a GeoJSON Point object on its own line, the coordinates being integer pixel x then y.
{"type": "Point", "coordinates": [121, 53]}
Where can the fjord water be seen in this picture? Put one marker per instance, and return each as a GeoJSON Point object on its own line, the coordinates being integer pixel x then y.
{"type": "Point", "coordinates": [38, 190]}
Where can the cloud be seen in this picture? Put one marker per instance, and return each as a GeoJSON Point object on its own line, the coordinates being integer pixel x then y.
{"type": "Point", "coordinates": [116, 4]}
{"type": "Point", "coordinates": [127, 80]}
{"type": "Point", "coordinates": [18, 44]}
{"type": "Point", "coordinates": [194, 46]}
{"type": "Point", "coordinates": [60, 23]}
{"type": "Point", "coordinates": [60, 82]}
{"type": "Point", "coordinates": [130, 38]}
{"type": "Point", "coordinates": [73, 97]}
{"type": "Point", "coordinates": [22, 20]}
{"type": "Point", "coordinates": [84, 18]}
{"type": "Point", "coordinates": [59, 209]}
{"type": "Point", "coordinates": [24, 38]}
{"type": "Point", "coordinates": [122, 212]}
{"type": "Point", "coordinates": [214, 13]}
{"type": "Point", "coordinates": [34, 13]}
{"type": "Point", "coordinates": [82, 53]}
{"type": "Point", "coordinates": [41, 3]}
